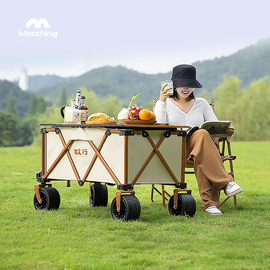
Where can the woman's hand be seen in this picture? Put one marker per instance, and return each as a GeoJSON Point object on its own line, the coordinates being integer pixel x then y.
{"type": "Point", "coordinates": [163, 93]}
{"type": "Point", "coordinates": [229, 130]}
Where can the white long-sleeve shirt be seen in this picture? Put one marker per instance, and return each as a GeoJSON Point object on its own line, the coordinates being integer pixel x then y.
{"type": "Point", "coordinates": [168, 112]}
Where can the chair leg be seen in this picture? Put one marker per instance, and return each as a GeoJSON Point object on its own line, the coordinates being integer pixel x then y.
{"type": "Point", "coordinates": [234, 199]}
{"type": "Point", "coordinates": [152, 192]}
{"type": "Point", "coordinates": [231, 169]}
{"type": "Point", "coordinates": [224, 202]}
{"type": "Point", "coordinates": [163, 194]}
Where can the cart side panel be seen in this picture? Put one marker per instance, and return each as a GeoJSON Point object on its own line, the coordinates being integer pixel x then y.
{"type": "Point", "coordinates": [54, 146]}
{"type": "Point", "coordinates": [113, 153]}
{"type": "Point", "coordinates": [139, 149]}
{"type": "Point", "coordinates": [82, 154]}
{"type": "Point", "coordinates": [79, 151]}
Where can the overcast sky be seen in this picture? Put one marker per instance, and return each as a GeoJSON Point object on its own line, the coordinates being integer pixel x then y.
{"type": "Point", "coordinates": [149, 36]}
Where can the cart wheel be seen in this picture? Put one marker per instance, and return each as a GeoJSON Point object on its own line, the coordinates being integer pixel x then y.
{"type": "Point", "coordinates": [99, 195]}
{"type": "Point", "coordinates": [50, 199]}
{"type": "Point", "coordinates": [186, 205]}
{"type": "Point", "coordinates": [130, 208]}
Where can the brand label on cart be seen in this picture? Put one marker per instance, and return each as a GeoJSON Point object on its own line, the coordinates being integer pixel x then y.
{"type": "Point", "coordinates": [80, 152]}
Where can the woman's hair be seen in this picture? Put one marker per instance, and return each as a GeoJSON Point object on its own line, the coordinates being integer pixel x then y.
{"type": "Point", "coordinates": [175, 95]}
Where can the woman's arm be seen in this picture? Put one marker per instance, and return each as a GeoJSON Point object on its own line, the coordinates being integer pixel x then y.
{"type": "Point", "coordinates": [209, 115]}
{"type": "Point", "coordinates": [229, 130]}
{"type": "Point", "coordinates": [161, 111]}
{"type": "Point", "coordinates": [208, 112]}
{"type": "Point", "coordinates": [161, 106]}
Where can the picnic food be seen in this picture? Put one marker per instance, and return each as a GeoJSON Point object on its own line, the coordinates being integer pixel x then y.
{"type": "Point", "coordinates": [145, 114]}
{"type": "Point", "coordinates": [123, 114]}
{"type": "Point", "coordinates": [100, 117]}
{"type": "Point", "coordinates": [153, 116]}
{"type": "Point", "coordinates": [134, 111]}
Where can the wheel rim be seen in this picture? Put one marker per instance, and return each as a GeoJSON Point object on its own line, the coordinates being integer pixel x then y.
{"type": "Point", "coordinates": [130, 208]}
{"type": "Point", "coordinates": [50, 199]}
{"type": "Point", "coordinates": [179, 211]}
{"type": "Point", "coordinates": [44, 203]}
{"type": "Point", "coordinates": [119, 215]}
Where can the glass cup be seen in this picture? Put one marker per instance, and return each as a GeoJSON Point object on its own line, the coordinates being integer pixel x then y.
{"type": "Point", "coordinates": [170, 85]}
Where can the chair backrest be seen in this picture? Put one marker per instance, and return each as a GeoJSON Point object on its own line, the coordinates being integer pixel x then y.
{"type": "Point", "coordinates": [212, 104]}
{"type": "Point", "coordinates": [154, 104]}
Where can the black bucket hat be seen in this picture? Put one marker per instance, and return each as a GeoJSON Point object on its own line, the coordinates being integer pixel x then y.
{"type": "Point", "coordinates": [185, 76]}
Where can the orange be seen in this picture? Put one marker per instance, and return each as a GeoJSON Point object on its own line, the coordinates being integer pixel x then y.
{"type": "Point", "coordinates": [153, 116]}
{"type": "Point", "coordinates": [145, 114]}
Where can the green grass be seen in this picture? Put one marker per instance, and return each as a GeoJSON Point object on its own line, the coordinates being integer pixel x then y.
{"type": "Point", "coordinates": [79, 237]}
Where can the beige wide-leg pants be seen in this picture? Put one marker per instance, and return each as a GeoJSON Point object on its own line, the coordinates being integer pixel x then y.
{"type": "Point", "coordinates": [208, 167]}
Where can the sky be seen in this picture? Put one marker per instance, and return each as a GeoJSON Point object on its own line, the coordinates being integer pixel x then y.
{"type": "Point", "coordinates": [149, 36]}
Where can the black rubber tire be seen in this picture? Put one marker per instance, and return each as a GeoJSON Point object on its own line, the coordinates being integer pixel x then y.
{"type": "Point", "coordinates": [50, 199]}
{"type": "Point", "coordinates": [130, 208]}
{"type": "Point", "coordinates": [99, 195]}
{"type": "Point", "coordinates": [186, 205]}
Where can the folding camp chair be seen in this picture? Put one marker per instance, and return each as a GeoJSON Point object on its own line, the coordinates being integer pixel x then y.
{"type": "Point", "coordinates": [225, 154]}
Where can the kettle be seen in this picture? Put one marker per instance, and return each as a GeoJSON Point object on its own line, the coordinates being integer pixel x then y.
{"type": "Point", "coordinates": [67, 107]}
{"type": "Point", "coordinates": [70, 114]}
{"type": "Point", "coordinates": [62, 110]}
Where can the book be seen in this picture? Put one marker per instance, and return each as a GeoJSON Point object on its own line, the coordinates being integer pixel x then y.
{"type": "Point", "coordinates": [215, 128]}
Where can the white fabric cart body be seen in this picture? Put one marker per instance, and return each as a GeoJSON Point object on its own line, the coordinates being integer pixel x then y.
{"type": "Point", "coordinates": [124, 155]}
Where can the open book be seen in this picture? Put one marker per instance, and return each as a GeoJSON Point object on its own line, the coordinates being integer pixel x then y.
{"type": "Point", "coordinates": [215, 128]}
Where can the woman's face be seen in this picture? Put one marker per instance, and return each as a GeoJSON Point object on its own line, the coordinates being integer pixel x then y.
{"type": "Point", "coordinates": [184, 92]}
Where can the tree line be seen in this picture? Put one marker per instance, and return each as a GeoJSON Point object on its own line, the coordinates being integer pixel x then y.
{"type": "Point", "coordinates": [19, 131]}
{"type": "Point", "coordinates": [247, 109]}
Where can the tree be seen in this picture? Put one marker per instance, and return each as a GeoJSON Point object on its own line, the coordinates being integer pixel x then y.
{"type": "Point", "coordinates": [8, 129]}
{"type": "Point", "coordinates": [254, 121]}
{"type": "Point", "coordinates": [21, 98]}
{"type": "Point", "coordinates": [63, 98]}
{"type": "Point", "coordinates": [32, 105]}
{"type": "Point", "coordinates": [247, 109]}
{"type": "Point", "coordinates": [225, 97]}
{"type": "Point", "coordinates": [41, 105]}
{"type": "Point", "coordinates": [11, 104]}
{"type": "Point", "coordinates": [108, 105]}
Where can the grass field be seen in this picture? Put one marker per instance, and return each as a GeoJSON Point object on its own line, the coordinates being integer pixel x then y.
{"type": "Point", "coordinates": [79, 237]}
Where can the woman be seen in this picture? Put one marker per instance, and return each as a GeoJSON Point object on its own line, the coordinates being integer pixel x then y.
{"type": "Point", "coordinates": [183, 109]}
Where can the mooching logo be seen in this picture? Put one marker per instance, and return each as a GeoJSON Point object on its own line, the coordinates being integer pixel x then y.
{"type": "Point", "coordinates": [37, 25]}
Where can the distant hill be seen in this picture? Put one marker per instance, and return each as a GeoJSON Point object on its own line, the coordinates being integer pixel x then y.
{"type": "Point", "coordinates": [248, 64]}
{"type": "Point", "coordinates": [38, 82]}
{"type": "Point", "coordinates": [42, 81]}
{"type": "Point", "coordinates": [108, 80]}
{"type": "Point", "coordinates": [21, 98]}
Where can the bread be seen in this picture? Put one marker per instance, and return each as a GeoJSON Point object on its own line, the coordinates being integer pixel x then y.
{"type": "Point", "coordinates": [100, 117]}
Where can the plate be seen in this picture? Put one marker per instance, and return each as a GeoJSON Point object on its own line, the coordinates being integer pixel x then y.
{"type": "Point", "coordinates": [101, 122]}
{"type": "Point", "coordinates": [138, 122]}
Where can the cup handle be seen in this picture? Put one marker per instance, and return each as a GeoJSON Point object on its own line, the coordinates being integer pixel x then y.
{"type": "Point", "coordinates": [62, 111]}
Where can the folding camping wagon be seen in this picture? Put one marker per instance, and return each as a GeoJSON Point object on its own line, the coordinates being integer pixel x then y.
{"type": "Point", "coordinates": [114, 154]}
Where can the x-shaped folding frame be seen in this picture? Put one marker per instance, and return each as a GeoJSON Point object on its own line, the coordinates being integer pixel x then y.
{"type": "Point", "coordinates": [97, 154]}
{"type": "Point", "coordinates": [65, 150]}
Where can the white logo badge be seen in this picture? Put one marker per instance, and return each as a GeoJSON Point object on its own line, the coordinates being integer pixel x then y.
{"type": "Point", "coordinates": [37, 23]}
